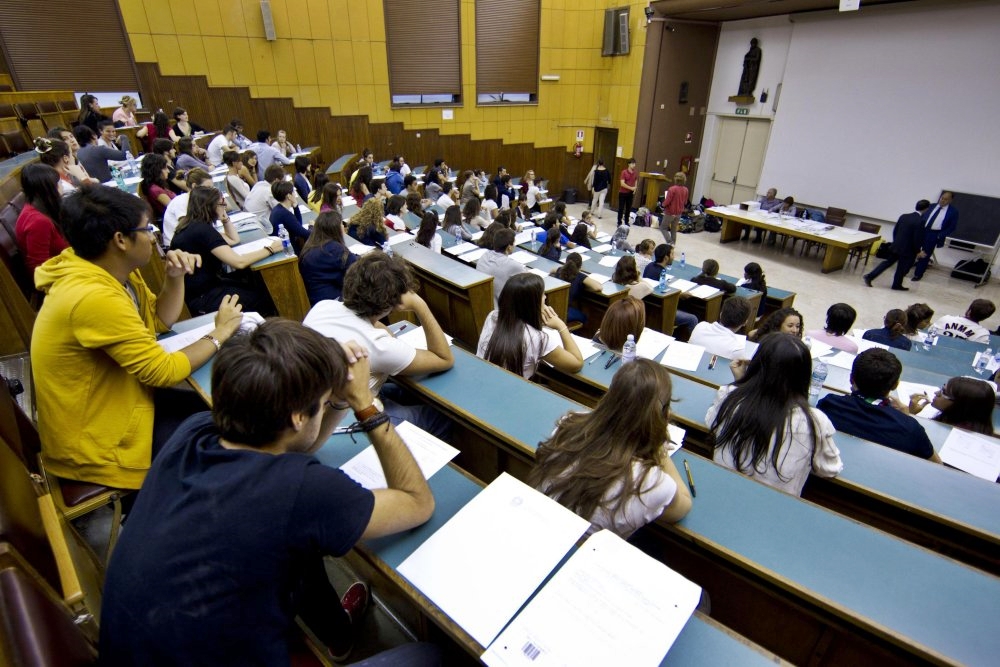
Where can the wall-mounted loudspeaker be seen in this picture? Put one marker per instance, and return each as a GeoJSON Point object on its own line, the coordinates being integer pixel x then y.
{"type": "Point", "coordinates": [265, 12]}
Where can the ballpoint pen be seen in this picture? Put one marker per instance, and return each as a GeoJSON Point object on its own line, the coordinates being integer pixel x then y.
{"type": "Point", "coordinates": [711, 362]}
{"type": "Point", "coordinates": [603, 352]}
{"type": "Point", "coordinates": [687, 469]}
{"type": "Point", "coordinates": [611, 361]}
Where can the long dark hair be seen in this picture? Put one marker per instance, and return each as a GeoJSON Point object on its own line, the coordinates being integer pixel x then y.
{"type": "Point", "coordinates": [579, 236]}
{"type": "Point", "coordinates": [571, 269]}
{"type": "Point", "coordinates": [552, 238]}
{"type": "Point", "coordinates": [329, 226]}
{"type": "Point", "coordinates": [756, 277]}
{"type": "Point", "coordinates": [331, 196]}
{"type": "Point", "coordinates": [452, 217]}
{"type": "Point", "coordinates": [428, 228]}
{"type": "Point", "coordinates": [520, 305]}
{"type": "Point", "coordinates": [201, 206]}
{"type": "Point", "coordinates": [161, 122]}
{"type": "Point", "coordinates": [593, 453]}
{"type": "Point", "coordinates": [486, 240]}
{"type": "Point", "coordinates": [774, 321]}
{"type": "Point", "coordinates": [760, 408]}
{"type": "Point", "coordinates": [319, 182]}
{"type": "Point", "coordinates": [152, 172]}
{"type": "Point", "coordinates": [971, 408]}
{"type": "Point", "coordinates": [626, 272]}
{"type": "Point", "coordinates": [915, 314]}
{"type": "Point", "coordinates": [40, 184]}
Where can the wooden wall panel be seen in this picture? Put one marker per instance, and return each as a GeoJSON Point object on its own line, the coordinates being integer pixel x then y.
{"type": "Point", "coordinates": [336, 135]}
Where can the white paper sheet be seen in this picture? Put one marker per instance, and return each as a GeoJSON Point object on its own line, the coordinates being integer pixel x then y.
{"type": "Point", "coordinates": [418, 339]}
{"type": "Point", "coordinates": [750, 349]}
{"type": "Point", "coordinates": [974, 454]}
{"type": "Point", "coordinates": [460, 248]}
{"type": "Point", "coordinates": [603, 236]}
{"type": "Point", "coordinates": [523, 256]}
{"type": "Point", "coordinates": [684, 356]}
{"type": "Point", "coordinates": [683, 285]}
{"type": "Point", "coordinates": [474, 255]}
{"type": "Point", "coordinates": [538, 272]}
{"type": "Point", "coordinates": [677, 435]}
{"type": "Point", "coordinates": [600, 277]}
{"type": "Point", "coordinates": [906, 390]}
{"type": "Point", "coordinates": [585, 345]}
{"type": "Point", "coordinates": [704, 292]}
{"type": "Point", "coordinates": [610, 604]}
{"type": "Point", "coordinates": [254, 246]}
{"type": "Point", "coordinates": [523, 237]}
{"type": "Point", "coordinates": [651, 343]}
{"type": "Point", "coordinates": [478, 235]}
{"type": "Point", "coordinates": [604, 247]}
{"type": "Point", "coordinates": [430, 453]}
{"type": "Point", "coordinates": [842, 359]}
{"type": "Point", "coordinates": [609, 261]}
{"type": "Point", "coordinates": [652, 283]}
{"type": "Point", "coordinates": [359, 249]}
{"type": "Point", "coordinates": [241, 216]}
{"type": "Point", "coordinates": [304, 209]}
{"type": "Point", "coordinates": [819, 348]}
{"type": "Point", "coordinates": [868, 344]}
{"type": "Point", "coordinates": [185, 338]}
{"type": "Point", "coordinates": [482, 565]}
{"type": "Point", "coordinates": [401, 237]}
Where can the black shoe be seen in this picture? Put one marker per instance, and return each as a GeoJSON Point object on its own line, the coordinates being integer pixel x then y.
{"type": "Point", "coordinates": [900, 288]}
{"type": "Point", "coordinates": [916, 278]}
{"type": "Point", "coordinates": [868, 280]}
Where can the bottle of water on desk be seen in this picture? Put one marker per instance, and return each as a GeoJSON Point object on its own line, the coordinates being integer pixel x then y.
{"type": "Point", "coordinates": [684, 260]}
{"type": "Point", "coordinates": [930, 339]}
{"type": "Point", "coordinates": [819, 374]}
{"type": "Point", "coordinates": [116, 174]}
{"type": "Point", "coordinates": [133, 168]}
{"type": "Point", "coordinates": [628, 349]}
{"type": "Point", "coordinates": [286, 241]}
{"type": "Point", "coordinates": [387, 249]}
{"type": "Point", "coordinates": [982, 360]}
{"type": "Point", "coordinates": [662, 287]}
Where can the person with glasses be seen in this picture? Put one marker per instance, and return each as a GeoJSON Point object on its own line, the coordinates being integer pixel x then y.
{"type": "Point", "coordinates": [209, 285]}
{"type": "Point", "coordinates": [870, 413]}
{"type": "Point", "coordinates": [101, 379]}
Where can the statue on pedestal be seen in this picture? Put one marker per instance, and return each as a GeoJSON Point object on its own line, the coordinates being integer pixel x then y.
{"type": "Point", "coordinates": [751, 68]}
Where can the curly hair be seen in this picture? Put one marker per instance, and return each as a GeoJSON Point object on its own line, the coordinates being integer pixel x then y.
{"type": "Point", "coordinates": [370, 215]}
{"type": "Point", "coordinates": [376, 283]}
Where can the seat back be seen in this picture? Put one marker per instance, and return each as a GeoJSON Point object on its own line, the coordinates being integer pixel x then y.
{"type": "Point", "coordinates": [870, 227]}
{"type": "Point", "coordinates": [836, 216]}
{"type": "Point", "coordinates": [15, 141]}
{"type": "Point", "coordinates": [7, 111]}
{"type": "Point", "coordinates": [38, 628]}
{"type": "Point", "coordinates": [47, 107]}
{"type": "Point", "coordinates": [10, 253]}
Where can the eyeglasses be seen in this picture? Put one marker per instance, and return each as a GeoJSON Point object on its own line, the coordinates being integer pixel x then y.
{"type": "Point", "coordinates": [147, 228]}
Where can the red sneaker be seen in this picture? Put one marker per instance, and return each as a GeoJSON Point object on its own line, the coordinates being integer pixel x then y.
{"type": "Point", "coordinates": [355, 601]}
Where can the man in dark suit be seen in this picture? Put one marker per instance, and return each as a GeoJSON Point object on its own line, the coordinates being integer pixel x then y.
{"type": "Point", "coordinates": [907, 237]}
{"type": "Point", "coordinates": [939, 223]}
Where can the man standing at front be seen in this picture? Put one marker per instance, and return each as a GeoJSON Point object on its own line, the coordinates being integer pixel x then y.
{"type": "Point", "coordinates": [939, 223]}
{"type": "Point", "coordinates": [626, 191]}
{"type": "Point", "coordinates": [225, 545]}
{"type": "Point", "coordinates": [907, 237]}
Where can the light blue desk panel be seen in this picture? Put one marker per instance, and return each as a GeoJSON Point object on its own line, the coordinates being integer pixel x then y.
{"type": "Point", "coordinates": [338, 165]}
{"type": "Point", "coordinates": [522, 411]}
{"type": "Point", "coordinates": [701, 639]}
{"type": "Point", "coordinates": [924, 600]}
{"type": "Point", "coordinates": [276, 258]}
{"type": "Point", "coordinates": [444, 267]}
{"type": "Point", "coordinates": [964, 345]}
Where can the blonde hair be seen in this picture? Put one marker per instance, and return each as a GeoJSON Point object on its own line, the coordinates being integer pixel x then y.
{"type": "Point", "coordinates": [127, 100]}
{"type": "Point", "coordinates": [680, 177]}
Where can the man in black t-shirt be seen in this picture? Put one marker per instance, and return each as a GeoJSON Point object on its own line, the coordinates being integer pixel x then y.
{"type": "Point", "coordinates": [225, 544]}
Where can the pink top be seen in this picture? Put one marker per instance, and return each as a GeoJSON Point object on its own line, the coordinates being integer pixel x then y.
{"type": "Point", "coordinates": [836, 342]}
{"type": "Point", "coordinates": [630, 178]}
{"type": "Point", "coordinates": [676, 199]}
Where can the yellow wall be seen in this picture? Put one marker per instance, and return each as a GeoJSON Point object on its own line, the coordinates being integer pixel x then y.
{"type": "Point", "coordinates": [332, 53]}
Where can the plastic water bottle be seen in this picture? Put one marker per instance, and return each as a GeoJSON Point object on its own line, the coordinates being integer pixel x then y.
{"type": "Point", "coordinates": [662, 287]}
{"type": "Point", "coordinates": [628, 349]}
{"type": "Point", "coordinates": [684, 260]}
{"type": "Point", "coordinates": [996, 357]}
{"type": "Point", "coordinates": [387, 249]}
{"type": "Point", "coordinates": [286, 242]}
{"type": "Point", "coordinates": [116, 174]}
{"type": "Point", "coordinates": [298, 148]}
{"type": "Point", "coordinates": [983, 359]}
{"type": "Point", "coordinates": [133, 168]}
{"type": "Point", "coordinates": [819, 373]}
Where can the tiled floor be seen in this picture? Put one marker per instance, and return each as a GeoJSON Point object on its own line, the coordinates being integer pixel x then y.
{"type": "Point", "coordinates": [816, 291]}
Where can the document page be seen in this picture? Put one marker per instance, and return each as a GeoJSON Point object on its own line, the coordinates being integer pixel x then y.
{"type": "Point", "coordinates": [676, 435]}
{"type": "Point", "coordinates": [482, 565]}
{"type": "Point", "coordinates": [400, 237]}
{"type": "Point", "coordinates": [651, 343]}
{"type": "Point", "coordinates": [461, 248]}
{"type": "Point", "coordinates": [704, 292]}
{"type": "Point", "coordinates": [473, 256]}
{"type": "Point", "coordinates": [523, 256]}
{"type": "Point", "coordinates": [684, 356]}
{"type": "Point", "coordinates": [906, 390]}
{"type": "Point", "coordinates": [682, 285]}
{"type": "Point", "coordinates": [842, 359]}
{"type": "Point", "coordinates": [254, 246]}
{"type": "Point", "coordinates": [974, 454]}
{"type": "Point", "coordinates": [185, 338]}
{"type": "Point", "coordinates": [610, 604]}
{"type": "Point", "coordinates": [417, 338]}
{"type": "Point", "coordinates": [586, 345]}
{"type": "Point", "coordinates": [430, 453]}
{"type": "Point", "coordinates": [609, 261]}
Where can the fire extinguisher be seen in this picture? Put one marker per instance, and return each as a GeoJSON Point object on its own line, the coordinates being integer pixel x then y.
{"type": "Point", "coordinates": [578, 149]}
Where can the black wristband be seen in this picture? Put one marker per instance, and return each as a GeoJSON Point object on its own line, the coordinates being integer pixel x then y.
{"type": "Point", "coordinates": [373, 422]}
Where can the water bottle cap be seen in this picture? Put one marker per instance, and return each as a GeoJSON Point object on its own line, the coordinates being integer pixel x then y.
{"type": "Point", "coordinates": [630, 337]}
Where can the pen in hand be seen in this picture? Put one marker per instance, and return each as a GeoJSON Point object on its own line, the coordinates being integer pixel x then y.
{"type": "Point", "coordinates": [687, 469]}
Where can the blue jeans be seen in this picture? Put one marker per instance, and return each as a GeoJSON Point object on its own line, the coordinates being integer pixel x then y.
{"type": "Point", "coordinates": [685, 320]}
{"type": "Point", "coordinates": [420, 415]}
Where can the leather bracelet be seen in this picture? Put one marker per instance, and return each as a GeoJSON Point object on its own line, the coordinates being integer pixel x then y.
{"type": "Point", "coordinates": [373, 422]}
{"type": "Point", "coordinates": [370, 411]}
{"type": "Point", "coordinates": [268, 249]}
{"type": "Point", "coordinates": [213, 340]}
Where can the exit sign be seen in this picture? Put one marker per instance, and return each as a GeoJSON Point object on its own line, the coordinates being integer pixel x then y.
{"type": "Point", "coordinates": [742, 111]}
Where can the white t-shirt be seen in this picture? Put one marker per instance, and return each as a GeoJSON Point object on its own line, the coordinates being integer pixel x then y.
{"type": "Point", "coordinates": [799, 455]}
{"type": "Point", "coordinates": [531, 197]}
{"type": "Point", "coordinates": [717, 339]}
{"type": "Point", "coordinates": [259, 201]}
{"type": "Point", "coordinates": [962, 327]}
{"type": "Point", "coordinates": [444, 201]}
{"type": "Point", "coordinates": [489, 209]}
{"type": "Point", "coordinates": [217, 146]}
{"type": "Point", "coordinates": [396, 222]}
{"type": "Point", "coordinates": [387, 355]}
{"type": "Point", "coordinates": [176, 209]}
{"type": "Point", "coordinates": [536, 344]}
{"type": "Point", "coordinates": [238, 189]}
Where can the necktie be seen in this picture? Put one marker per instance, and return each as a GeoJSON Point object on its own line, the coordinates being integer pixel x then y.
{"type": "Point", "coordinates": [930, 223]}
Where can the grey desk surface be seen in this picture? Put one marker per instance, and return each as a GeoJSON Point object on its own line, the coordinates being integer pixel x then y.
{"type": "Point", "coordinates": [340, 163]}
{"type": "Point", "coordinates": [454, 272]}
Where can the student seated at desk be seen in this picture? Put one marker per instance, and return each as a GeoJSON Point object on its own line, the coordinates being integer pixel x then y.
{"type": "Point", "coordinates": [186, 158]}
{"type": "Point", "coordinates": [37, 235]}
{"type": "Point", "coordinates": [579, 237]}
{"type": "Point", "coordinates": [663, 256]}
{"type": "Point", "coordinates": [963, 402]}
{"type": "Point", "coordinates": [394, 209]}
{"type": "Point", "coordinates": [101, 380]}
{"type": "Point", "coordinates": [368, 224]}
{"type": "Point", "coordinates": [870, 413]}
{"type": "Point", "coordinates": [892, 331]}
{"type": "Point", "coordinates": [968, 326]}
{"type": "Point", "coordinates": [178, 206]}
{"type": "Point", "coordinates": [552, 247]}
{"type": "Point", "coordinates": [754, 279]}
{"type": "Point", "coordinates": [93, 156]}
{"type": "Point", "coordinates": [235, 185]}
{"type": "Point", "coordinates": [722, 337]}
{"type": "Point", "coordinates": [610, 465]}
{"type": "Point", "coordinates": [783, 320]}
{"type": "Point", "coordinates": [512, 336]}
{"type": "Point", "coordinates": [570, 272]}
{"type": "Point", "coordinates": [643, 255]}
{"type": "Point", "coordinates": [427, 235]}
{"type": "Point", "coordinates": [472, 217]}
{"type": "Point", "coordinates": [154, 186]}
{"type": "Point", "coordinates": [839, 320]}
{"type": "Point", "coordinates": [220, 577]}
{"type": "Point", "coordinates": [374, 286]}
{"type": "Point", "coordinates": [452, 223]}
{"type": "Point", "coordinates": [287, 213]}
{"type": "Point", "coordinates": [497, 262]}
{"type": "Point", "coordinates": [325, 259]}
{"type": "Point", "coordinates": [623, 317]}
{"type": "Point", "coordinates": [331, 198]}
{"type": "Point", "coordinates": [762, 423]}
{"type": "Point", "coordinates": [918, 316]}
{"type": "Point", "coordinates": [486, 240]}
{"type": "Point", "coordinates": [625, 274]}
{"type": "Point", "coordinates": [552, 220]}
{"type": "Point", "coordinates": [709, 276]}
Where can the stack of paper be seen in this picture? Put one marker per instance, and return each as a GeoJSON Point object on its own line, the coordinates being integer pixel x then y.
{"type": "Point", "coordinates": [610, 604]}
{"type": "Point", "coordinates": [482, 565]}
{"type": "Point", "coordinates": [430, 453]}
{"type": "Point", "coordinates": [401, 237]}
{"type": "Point", "coordinates": [523, 256]}
{"type": "Point", "coordinates": [819, 348]}
{"type": "Point", "coordinates": [684, 356]}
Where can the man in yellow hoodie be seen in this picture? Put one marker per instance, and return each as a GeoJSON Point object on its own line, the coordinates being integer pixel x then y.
{"type": "Point", "coordinates": [94, 353]}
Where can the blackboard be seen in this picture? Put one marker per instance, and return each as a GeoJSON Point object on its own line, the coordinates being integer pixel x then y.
{"type": "Point", "coordinates": [978, 218]}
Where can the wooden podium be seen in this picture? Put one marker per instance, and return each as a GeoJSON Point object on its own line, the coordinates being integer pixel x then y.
{"type": "Point", "coordinates": [653, 183]}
